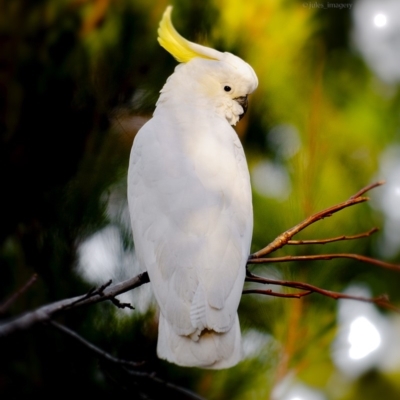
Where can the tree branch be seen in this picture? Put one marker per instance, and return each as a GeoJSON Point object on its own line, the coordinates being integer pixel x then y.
{"type": "Point", "coordinates": [358, 257]}
{"type": "Point", "coordinates": [46, 312]}
{"type": "Point", "coordinates": [167, 385]}
{"type": "Point", "coordinates": [269, 292]}
{"type": "Point", "coordinates": [335, 239]}
{"type": "Point", "coordinates": [283, 238]}
{"type": "Point", "coordinates": [367, 189]}
{"type": "Point", "coordinates": [94, 349]}
{"type": "Point", "coordinates": [109, 292]}
{"type": "Point", "coordinates": [129, 366]}
{"type": "Point", "coordinates": [382, 300]}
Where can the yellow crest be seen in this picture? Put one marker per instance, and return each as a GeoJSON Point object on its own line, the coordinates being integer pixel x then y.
{"type": "Point", "coordinates": [183, 50]}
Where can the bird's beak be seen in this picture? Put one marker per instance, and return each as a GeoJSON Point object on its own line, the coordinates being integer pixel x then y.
{"type": "Point", "coordinates": [242, 100]}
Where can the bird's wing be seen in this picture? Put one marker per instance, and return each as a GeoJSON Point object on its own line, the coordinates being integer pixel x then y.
{"type": "Point", "coordinates": [190, 206]}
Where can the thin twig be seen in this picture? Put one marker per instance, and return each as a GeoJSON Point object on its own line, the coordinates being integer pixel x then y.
{"type": "Point", "coordinates": [118, 304]}
{"type": "Point", "coordinates": [126, 363]}
{"type": "Point", "coordinates": [269, 292]}
{"type": "Point", "coordinates": [7, 304]}
{"type": "Point", "coordinates": [101, 353]}
{"type": "Point", "coordinates": [335, 239]}
{"type": "Point", "coordinates": [367, 188]}
{"type": "Point", "coordinates": [358, 257]}
{"type": "Point", "coordinates": [381, 300]}
{"type": "Point", "coordinates": [188, 394]}
{"type": "Point", "coordinates": [283, 238]}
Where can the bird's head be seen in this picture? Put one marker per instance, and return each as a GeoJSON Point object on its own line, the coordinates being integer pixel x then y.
{"type": "Point", "coordinates": [222, 77]}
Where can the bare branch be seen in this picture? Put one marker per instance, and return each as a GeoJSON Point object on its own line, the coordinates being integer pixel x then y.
{"type": "Point", "coordinates": [381, 300]}
{"type": "Point", "coordinates": [7, 304]}
{"type": "Point", "coordinates": [99, 352]}
{"type": "Point", "coordinates": [358, 257]}
{"type": "Point", "coordinates": [335, 239]}
{"type": "Point", "coordinates": [46, 312]}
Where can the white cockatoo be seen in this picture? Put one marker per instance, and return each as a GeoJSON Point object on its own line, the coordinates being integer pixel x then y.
{"type": "Point", "coordinates": [190, 202]}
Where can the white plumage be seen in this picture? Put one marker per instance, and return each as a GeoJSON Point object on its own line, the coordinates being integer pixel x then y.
{"type": "Point", "coordinates": [190, 203]}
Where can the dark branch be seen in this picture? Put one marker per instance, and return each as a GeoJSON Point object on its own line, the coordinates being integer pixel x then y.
{"type": "Point", "coordinates": [118, 304]}
{"type": "Point", "coordinates": [129, 366]}
{"type": "Point", "coordinates": [7, 304]}
{"type": "Point", "coordinates": [94, 349]}
{"type": "Point", "coordinates": [45, 313]}
{"type": "Point", "coordinates": [126, 363]}
{"type": "Point", "coordinates": [154, 379]}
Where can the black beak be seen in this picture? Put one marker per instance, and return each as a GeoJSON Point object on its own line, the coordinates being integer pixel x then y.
{"type": "Point", "coordinates": [242, 100]}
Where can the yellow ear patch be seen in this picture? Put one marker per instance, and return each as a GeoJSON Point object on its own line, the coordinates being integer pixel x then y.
{"type": "Point", "coordinates": [177, 45]}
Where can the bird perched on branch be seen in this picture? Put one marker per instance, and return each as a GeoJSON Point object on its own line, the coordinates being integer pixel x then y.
{"type": "Point", "coordinates": [190, 202]}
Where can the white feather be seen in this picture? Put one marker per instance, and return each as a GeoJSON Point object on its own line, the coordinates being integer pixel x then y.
{"type": "Point", "coordinates": [191, 212]}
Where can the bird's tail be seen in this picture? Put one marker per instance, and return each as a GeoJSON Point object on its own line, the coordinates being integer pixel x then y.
{"type": "Point", "coordinates": [212, 349]}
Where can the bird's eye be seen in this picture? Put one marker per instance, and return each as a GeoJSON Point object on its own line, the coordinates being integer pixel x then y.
{"type": "Point", "coordinates": [227, 88]}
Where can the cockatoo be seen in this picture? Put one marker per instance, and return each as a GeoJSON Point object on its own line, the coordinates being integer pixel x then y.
{"type": "Point", "coordinates": [190, 202]}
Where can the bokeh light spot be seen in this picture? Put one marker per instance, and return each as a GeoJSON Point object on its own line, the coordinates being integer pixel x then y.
{"type": "Point", "coordinates": [364, 338]}
{"type": "Point", "coordinates": [380, 20]}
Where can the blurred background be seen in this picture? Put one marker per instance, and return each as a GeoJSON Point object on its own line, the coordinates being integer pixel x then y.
{"type": "Point", "coordinates": [78, 78]}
